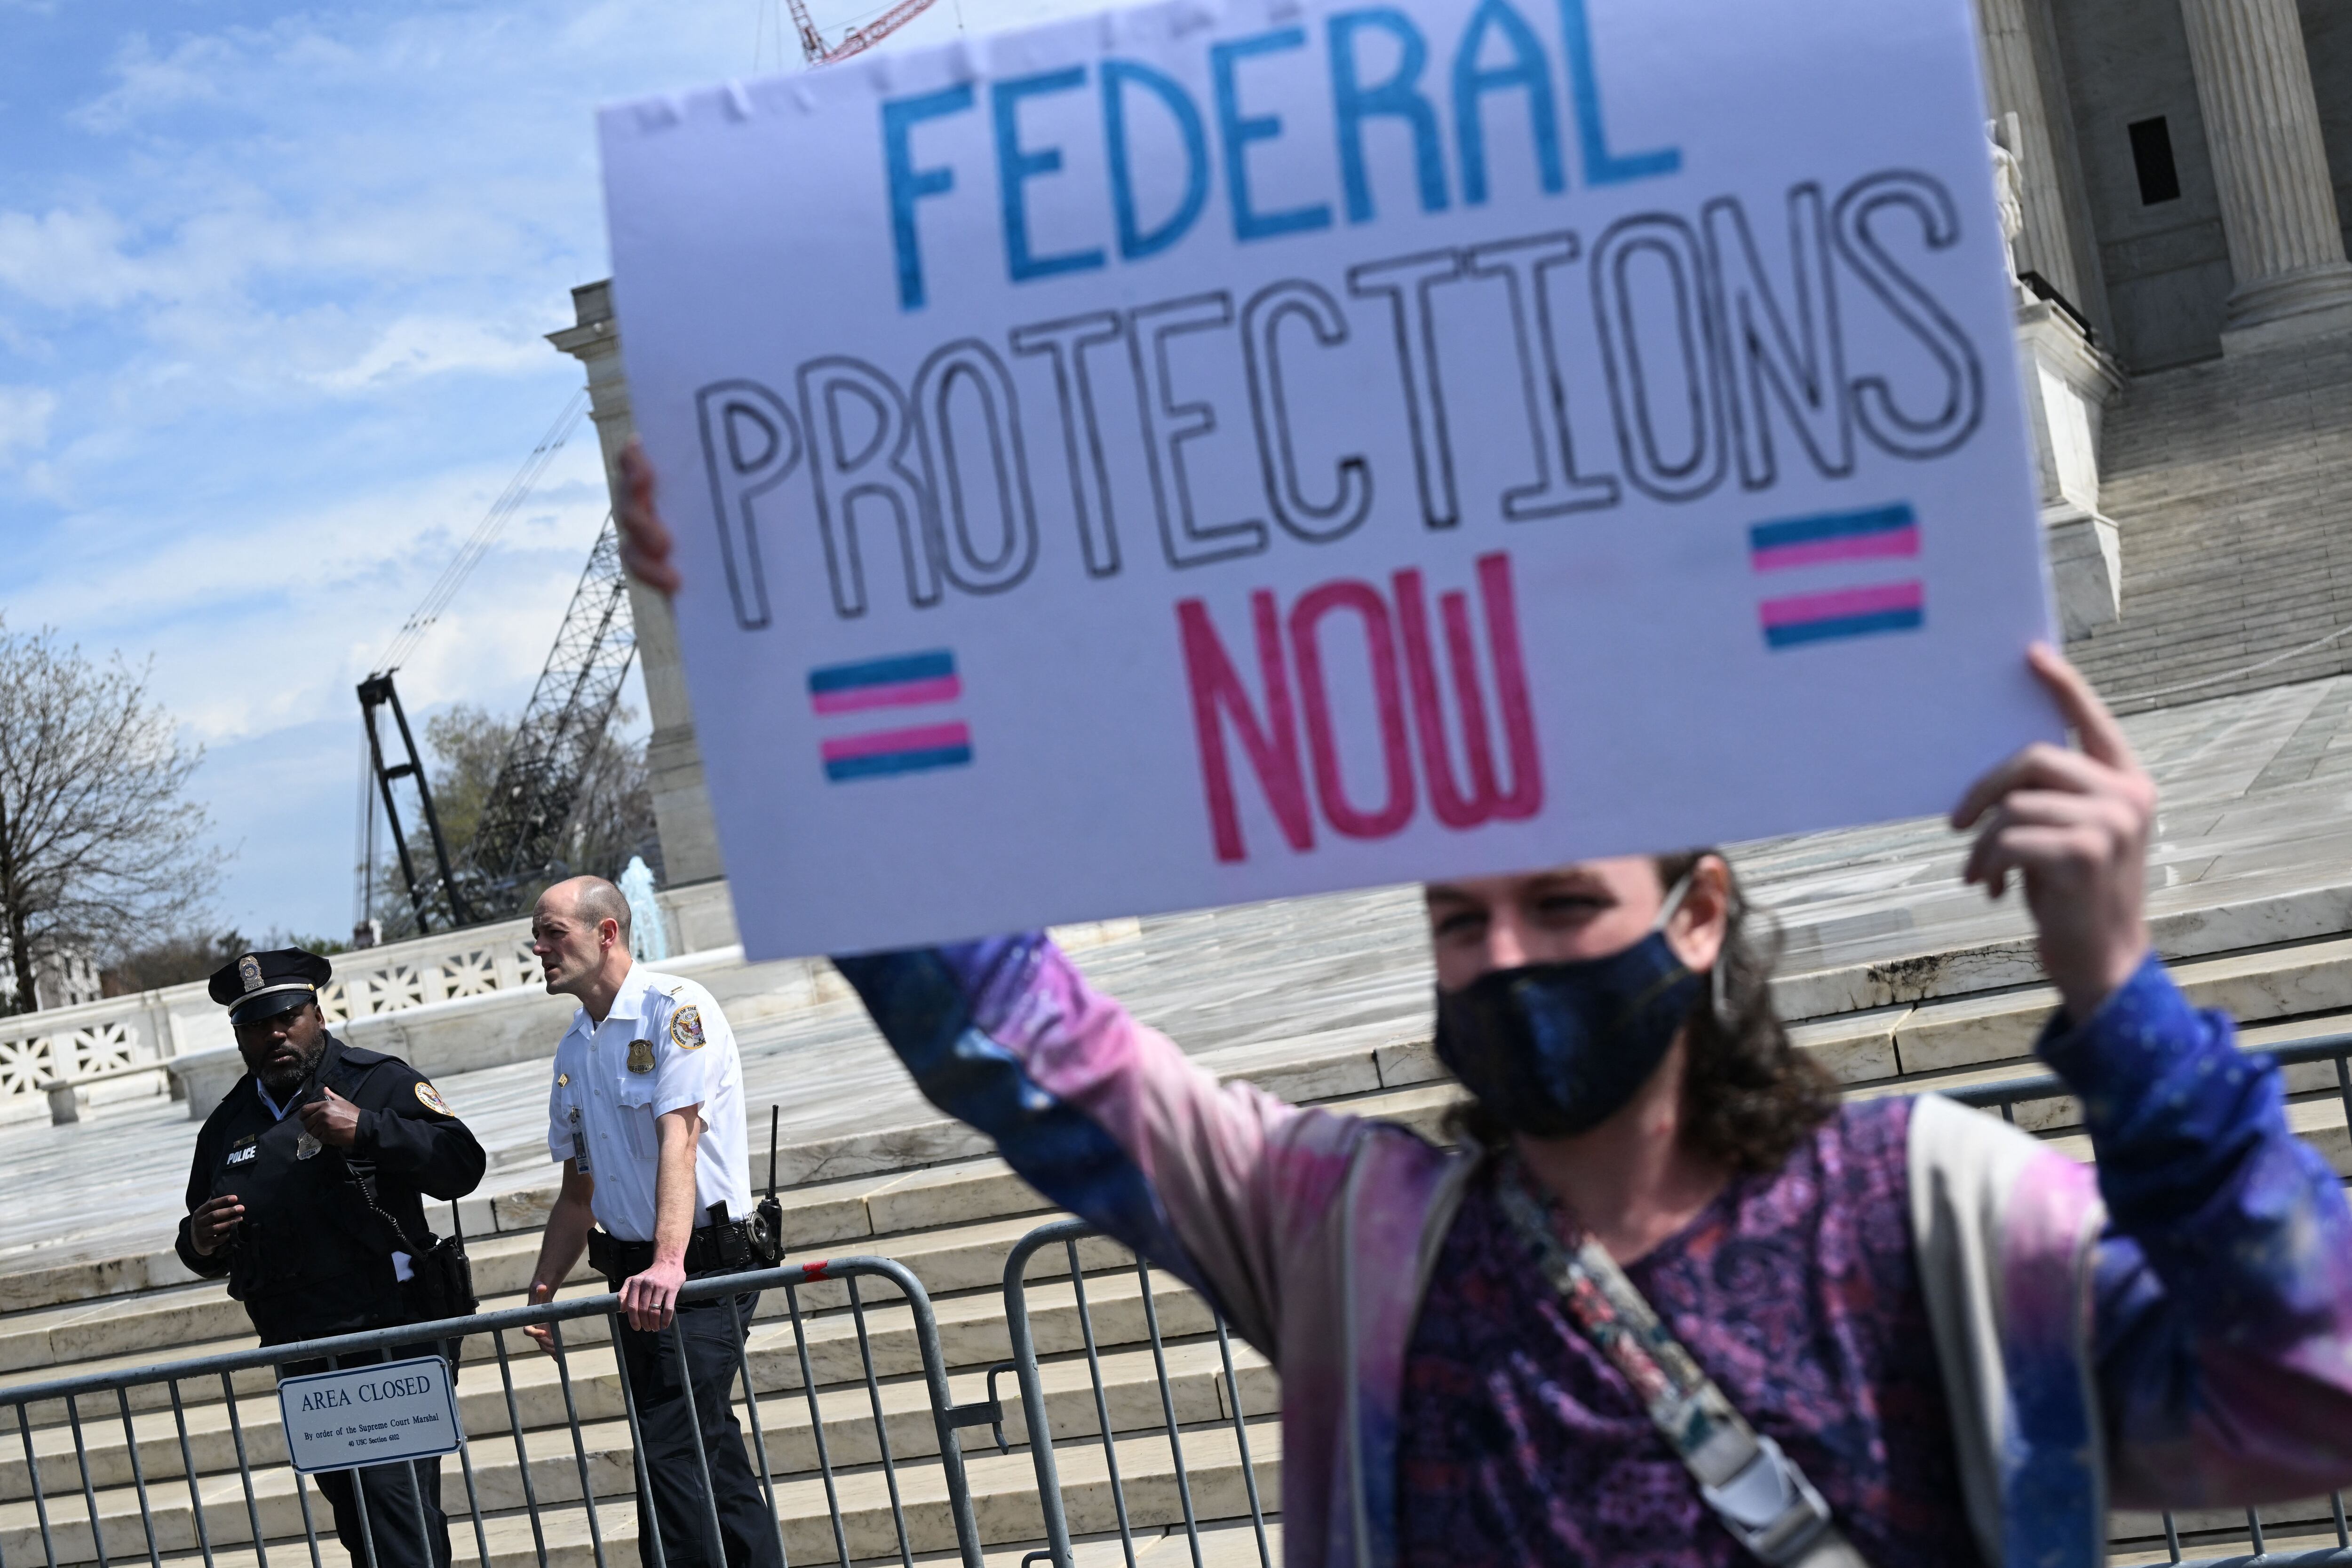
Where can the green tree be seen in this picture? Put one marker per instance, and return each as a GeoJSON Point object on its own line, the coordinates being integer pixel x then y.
{"type": "Point", "coordinates": [612, 818]}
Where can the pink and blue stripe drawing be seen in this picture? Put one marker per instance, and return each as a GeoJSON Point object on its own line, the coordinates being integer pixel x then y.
{"type": "Point", "coordinates": [900, 681]}
{"type": "Point", "coordinates": [1836, 538]}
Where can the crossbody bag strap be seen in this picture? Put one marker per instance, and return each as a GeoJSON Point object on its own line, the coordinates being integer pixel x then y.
{"type": "Point", "coordinates": [1757, 1490]}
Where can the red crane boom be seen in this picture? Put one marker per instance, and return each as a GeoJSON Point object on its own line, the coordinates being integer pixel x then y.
{"type": "Point", "coordinates": [857, 40]}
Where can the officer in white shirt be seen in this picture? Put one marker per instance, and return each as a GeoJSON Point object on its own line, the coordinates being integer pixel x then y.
{"type": "Point", "coordinates": [646, 1114]}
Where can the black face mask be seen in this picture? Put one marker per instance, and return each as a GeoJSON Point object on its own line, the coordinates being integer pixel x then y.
{"type": "Point", "coordinates": [1554, 1050]}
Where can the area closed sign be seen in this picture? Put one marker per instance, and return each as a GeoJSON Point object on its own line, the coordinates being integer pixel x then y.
{"type": "Point", "coordinates": [369, 1415]}
{"type": "Point", "coordinates": [1222, 449]}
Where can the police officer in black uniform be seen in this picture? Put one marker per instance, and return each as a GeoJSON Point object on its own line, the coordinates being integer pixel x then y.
{"type": "Point", "coordinates": [306, 1193]}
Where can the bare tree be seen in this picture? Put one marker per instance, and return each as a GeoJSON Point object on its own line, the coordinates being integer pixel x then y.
{"type": "Point", "coordinates": [99, 842]}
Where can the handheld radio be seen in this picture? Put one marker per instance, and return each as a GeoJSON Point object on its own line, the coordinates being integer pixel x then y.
{"type": "Point", "coordinates": [767, 1219]}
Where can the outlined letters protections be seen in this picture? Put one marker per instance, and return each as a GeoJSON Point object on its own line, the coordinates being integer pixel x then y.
{"type": "Point", "coordinates": [1216, 451]}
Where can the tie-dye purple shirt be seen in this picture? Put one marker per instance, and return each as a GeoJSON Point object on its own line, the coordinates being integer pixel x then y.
{"type": "Point", "coordinates": [2186, 1343]}
{"type": "Point", "coordinates": [1796, 1291]}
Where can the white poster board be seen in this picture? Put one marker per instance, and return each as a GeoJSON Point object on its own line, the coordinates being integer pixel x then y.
{"type": "Point", "coordinates": [369, 1415]}
{"type": "Point", "coordinates": [1208, 451]}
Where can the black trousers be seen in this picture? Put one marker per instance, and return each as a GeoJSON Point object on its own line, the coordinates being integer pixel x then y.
{"type": "Point", "coordinates": [389, 1491]}
{"type": "Point", "coordinates": [713, 1332]}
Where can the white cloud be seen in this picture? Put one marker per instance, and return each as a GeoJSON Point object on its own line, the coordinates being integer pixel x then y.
{"type": "Point", "coordinates": [25, 420]}
{"type": "Point", "coordinates": [68, 260]}
{"type": "Point", "coordinates": [147, 83]}
{"type": "Point", "coordinates": [272, 303]}
{"type": "Point", "coordinates": [416, 346]}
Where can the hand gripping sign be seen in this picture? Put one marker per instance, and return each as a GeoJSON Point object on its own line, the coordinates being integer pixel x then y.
{"type": "Point", "coordinates": [1207, 451]}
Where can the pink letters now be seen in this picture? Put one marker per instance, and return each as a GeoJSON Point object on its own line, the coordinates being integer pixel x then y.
{"type": "Point", "coordinates": [1269, 737]}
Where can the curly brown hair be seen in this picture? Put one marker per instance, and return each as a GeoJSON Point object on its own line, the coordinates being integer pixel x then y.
{"type": "Point", "coordinates": [1750, 1095]}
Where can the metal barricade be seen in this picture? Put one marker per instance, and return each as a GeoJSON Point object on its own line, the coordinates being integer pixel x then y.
{"type": "Point", "coordinates": [238, 1524]}
{"type": "Point", "coordinates": [2005, 1096]}
{"type": "Point", "coordinates": [1037, 1418]}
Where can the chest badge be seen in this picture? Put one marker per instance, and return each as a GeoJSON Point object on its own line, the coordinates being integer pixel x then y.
{"type": "Point", "coordinates": [244, 1152]}
{"type": "Point", "coordinates": [641, 1056]}
{"type": "Point", "coordinates": [686, 1028]}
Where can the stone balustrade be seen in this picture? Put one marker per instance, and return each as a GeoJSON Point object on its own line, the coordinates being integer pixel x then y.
{"type": "Point", "coordinates": [61, 1044]}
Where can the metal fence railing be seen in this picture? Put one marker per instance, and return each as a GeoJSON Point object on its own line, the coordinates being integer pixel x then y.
{"type": "Point", "coordinates": [2211, 1534]}
{"type": "Point", "coordinates": [1036, 1417]}
{"type": "Point", "coordinates": [122, 1504]}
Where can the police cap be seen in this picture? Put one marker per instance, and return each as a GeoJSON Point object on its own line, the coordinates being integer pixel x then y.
{"type": "Point", "coordinates": [263, 985]}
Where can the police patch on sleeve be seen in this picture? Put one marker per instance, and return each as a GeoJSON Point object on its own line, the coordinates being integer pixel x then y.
{"type": "Point", "coordinates": [686, 1028]}
{"type": "Point", "coordinates": [430, 1097]}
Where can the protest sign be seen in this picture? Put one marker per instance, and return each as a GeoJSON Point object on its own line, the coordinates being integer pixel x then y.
{"type": "Point", "coordinates": [1211, 451]}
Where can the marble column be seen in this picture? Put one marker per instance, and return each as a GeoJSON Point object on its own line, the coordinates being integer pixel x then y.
{"type": "Point", "coordinates": [2017, 41]}
{"type": "Point", "coordinates": [2278, 205]}
{"type": "Point", "coordinates": [689, 838]}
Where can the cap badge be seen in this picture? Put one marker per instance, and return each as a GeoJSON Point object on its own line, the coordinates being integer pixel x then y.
{"type": "Point", "coordinates": [686, 1028]}
{"type": "Point", "coordinates": [248, 972]}
{"type": "Point", "coordinates": [641, 1056]}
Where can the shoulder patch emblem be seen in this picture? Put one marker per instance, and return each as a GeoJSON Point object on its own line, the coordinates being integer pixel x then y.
{"type": "Point", "coordinates": [686, 1028]}
{"type": "Point", "coordinates": [641, 1056]}
{"type": "Point", "coordinates": [430, 1097]}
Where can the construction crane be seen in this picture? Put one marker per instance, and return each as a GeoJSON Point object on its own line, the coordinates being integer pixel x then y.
{"type": "Point", "coordinates": [857, 40]}
{"type": "Point", "coordinates": [519, 839]}
{"type": "Point", "coordinates": [539, 779]}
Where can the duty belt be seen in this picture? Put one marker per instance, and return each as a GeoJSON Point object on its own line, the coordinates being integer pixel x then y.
{"type": "Point", "coordinates": [722, 1247]}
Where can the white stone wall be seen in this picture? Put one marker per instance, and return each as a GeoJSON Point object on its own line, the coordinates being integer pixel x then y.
{"type": "Point", "coordinates": [59, 1044]}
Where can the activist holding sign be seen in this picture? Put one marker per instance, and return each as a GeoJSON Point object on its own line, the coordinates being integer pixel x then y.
{"type": "Point", "coordinates": [1672, 1301]}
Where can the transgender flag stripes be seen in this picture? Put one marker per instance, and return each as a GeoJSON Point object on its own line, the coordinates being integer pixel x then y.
{"type": "Point", "coordinates": [905, 680]}
{"type": "Point", "coordinates": [1835, 538]}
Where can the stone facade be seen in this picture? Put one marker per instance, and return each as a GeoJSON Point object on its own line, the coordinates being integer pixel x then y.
{"type": "Point", "coordinates": [2250, 102]}
{"type": "Point", "coordinates": [2185, 329]}
{"type": "Point", "coordinates": [689, 838]}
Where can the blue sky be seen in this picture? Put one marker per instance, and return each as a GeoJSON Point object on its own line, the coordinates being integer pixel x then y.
{"type": "Point", "coordinates": [273, 286]}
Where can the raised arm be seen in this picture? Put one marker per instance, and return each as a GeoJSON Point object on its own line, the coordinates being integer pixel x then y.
{"type": "Point", "coordinates": [2224, 1282]}
{"type": "Point", "coordinates": [1106, 1118]}
{"type": "Point", "coordinates": [2222, 1285]}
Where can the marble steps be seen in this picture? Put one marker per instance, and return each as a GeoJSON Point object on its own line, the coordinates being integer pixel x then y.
{"type": "Point", "coordinates": [896, 1178]}
{"type": "Point", "coordinates": [952, 1223]}
{"type": "Point", "coordinates": [1002, 1488]}
{"type": "Point", "coordinates": [891, 1179]}
{"type": "Point", "coordinates": [1130, 1387]}
{"type": "Point", "coordinates": [952, 1226]}
{"type": "Point", "coordinates": [565, 1543]}
{"type": "Point", "coordinates": [2289, 1529]}
{"type": "Point", "coordinates": [971, 1329]}
{"type": "Point", "coordinates": [1994, 949]}
{"type": "Point", "coordinates": [1909, 1040]}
